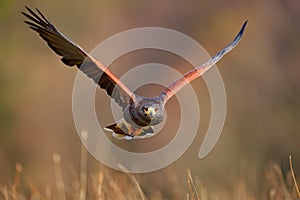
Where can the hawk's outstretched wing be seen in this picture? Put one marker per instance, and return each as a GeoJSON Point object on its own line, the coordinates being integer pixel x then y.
{"type": "Point", "coordinates": [200, 70]}
{"type": "Point", "coordinates": [72, 54]}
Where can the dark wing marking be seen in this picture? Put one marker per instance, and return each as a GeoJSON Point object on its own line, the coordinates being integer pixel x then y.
{"type": "Point", "coordinates": [200, 70]}
{"type": "Point", "coordinates": [72, 54]}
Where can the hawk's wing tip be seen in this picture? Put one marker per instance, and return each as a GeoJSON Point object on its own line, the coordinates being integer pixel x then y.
{"type": "Point", "coordinates": [244, 26]}
{"type": "Point", "coordinates": [240, 34]}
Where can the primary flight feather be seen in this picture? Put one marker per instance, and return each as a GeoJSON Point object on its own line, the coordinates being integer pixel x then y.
{"type": "Point", "coordinates": [139, 113]}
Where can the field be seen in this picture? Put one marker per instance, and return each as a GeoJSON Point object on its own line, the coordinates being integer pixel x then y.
{"type": "Point", "coordinates": [42, 156]}
{"type": "Point", "coordinates": [108, 184]}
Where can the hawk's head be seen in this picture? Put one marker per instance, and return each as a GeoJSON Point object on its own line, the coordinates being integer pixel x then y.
{"type": "Point", "coordinates": [148, 111]}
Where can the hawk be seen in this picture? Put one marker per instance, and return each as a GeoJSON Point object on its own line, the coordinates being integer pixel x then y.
{"type": "Point", "coordinates": [140, 113]}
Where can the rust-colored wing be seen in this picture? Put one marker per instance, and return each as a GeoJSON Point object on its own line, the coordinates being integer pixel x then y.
{"type": "Point", "coordinates": [72, 54]}
{"type": "Point", "coordinates": [200, 70]}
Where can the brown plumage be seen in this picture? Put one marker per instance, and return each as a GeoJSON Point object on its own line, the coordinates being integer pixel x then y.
{"type": "Point", "coordinates": [139, 113]}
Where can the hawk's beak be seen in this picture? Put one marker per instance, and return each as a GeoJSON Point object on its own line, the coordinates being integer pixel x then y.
{"type": "Point", "coordinates": [151, 111]}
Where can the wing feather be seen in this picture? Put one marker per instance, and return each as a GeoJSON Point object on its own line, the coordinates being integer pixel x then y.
{"type": "Point", "coordinates": [72, 54]}
{"type": "Point", "coordinates": [188, 77]}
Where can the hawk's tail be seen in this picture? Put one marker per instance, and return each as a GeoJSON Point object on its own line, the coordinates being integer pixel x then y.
{"type": "Point", "coordinates": [120, 131]}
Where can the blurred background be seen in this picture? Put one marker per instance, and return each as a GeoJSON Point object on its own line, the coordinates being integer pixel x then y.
{"type": "Point", "coordinates": [261, 78]}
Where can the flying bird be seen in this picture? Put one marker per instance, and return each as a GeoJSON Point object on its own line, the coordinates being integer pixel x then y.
{"type": "Point", "coordinates": [140, 113]}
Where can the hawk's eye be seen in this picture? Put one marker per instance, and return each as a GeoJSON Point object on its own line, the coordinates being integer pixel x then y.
{"type": "Point", "coordinates": [155, 109]}
{"type": "Point", "coordinates": [145, 109]}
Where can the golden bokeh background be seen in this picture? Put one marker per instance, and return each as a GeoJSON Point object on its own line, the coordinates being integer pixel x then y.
{"type": "Point", "coordinates": [261, 77]}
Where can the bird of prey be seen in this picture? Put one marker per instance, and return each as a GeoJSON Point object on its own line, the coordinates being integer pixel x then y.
{"type": "Point", "coordinates": [139, 113]}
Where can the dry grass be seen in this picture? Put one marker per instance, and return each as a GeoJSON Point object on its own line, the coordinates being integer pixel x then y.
{"type": "Point", "coordinates": [294, 177]}
{"type": "Point", "coordinates": [104, 186]}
